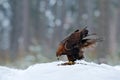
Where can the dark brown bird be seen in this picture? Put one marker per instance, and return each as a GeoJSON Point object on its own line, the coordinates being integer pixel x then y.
{"type": "Point", "coordinates": [73, 45]}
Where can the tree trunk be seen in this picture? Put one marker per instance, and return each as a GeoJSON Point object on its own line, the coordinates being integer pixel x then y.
{"type": "Point", "coordinates": [113, 35]}
{"type": "Point", "coordinates": [16, 27]}
{"type": "Point", "coordinates": [81, 11]}
{"type": "Point", "coordinates": [90, 12]}
{"type": "Point", "coordinates": [102, 30]}
{"type": "Point", "coordinates": [24, 39]}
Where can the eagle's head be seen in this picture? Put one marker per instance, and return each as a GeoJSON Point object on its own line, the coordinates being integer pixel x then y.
{"type": "Point", "coordinates": [60, 51]}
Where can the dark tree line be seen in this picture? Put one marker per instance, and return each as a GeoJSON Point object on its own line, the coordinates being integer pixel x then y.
{"type": "Point", "coordinates": [30, 30]}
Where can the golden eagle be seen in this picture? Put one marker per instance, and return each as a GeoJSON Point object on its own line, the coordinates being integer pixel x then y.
{"type": "Point", "coordinates": [73, 45]}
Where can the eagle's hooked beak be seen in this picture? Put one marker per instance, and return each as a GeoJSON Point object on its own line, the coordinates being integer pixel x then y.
{"type": "Point", "coordinates": [58, 58]}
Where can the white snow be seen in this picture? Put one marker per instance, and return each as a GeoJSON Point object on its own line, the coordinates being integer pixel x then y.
{"type": "Point", "coordinates": [51, 71]}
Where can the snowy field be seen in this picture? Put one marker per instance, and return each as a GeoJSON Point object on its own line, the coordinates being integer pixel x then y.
{"type": "Point", "coordinates": [51, 71]}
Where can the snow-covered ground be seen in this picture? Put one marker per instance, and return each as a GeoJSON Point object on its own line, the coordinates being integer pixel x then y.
{"type": "Point", "coordinates": [51, 71]}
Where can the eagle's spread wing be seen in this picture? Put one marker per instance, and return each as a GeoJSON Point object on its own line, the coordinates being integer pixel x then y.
{"type": "Point", "coordinates": [87, 42]}
{"type": "Point", "coordinates": [75, 38]}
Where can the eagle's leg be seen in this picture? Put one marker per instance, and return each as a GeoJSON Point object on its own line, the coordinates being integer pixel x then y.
{"type": "Point", "coordinates": [71, 59]}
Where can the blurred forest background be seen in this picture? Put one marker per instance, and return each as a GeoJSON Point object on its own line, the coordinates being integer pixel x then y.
{"type": "Point", "coordinates": [30, 30]}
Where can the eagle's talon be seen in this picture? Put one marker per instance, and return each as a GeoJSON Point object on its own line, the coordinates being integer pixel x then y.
{"type": "Point", "coordinates": [68, 63]}
{"type": "Point", "coordinates": [71, 63]}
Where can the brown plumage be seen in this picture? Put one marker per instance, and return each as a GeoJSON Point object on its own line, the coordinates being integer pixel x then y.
{"type": "Point", "coordinates": [73, 45]}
